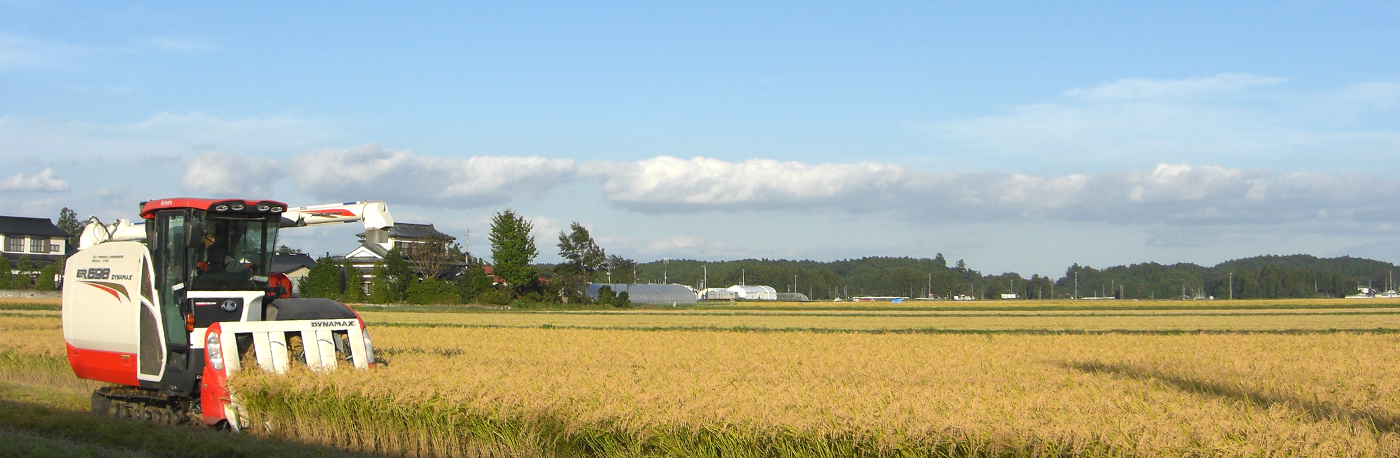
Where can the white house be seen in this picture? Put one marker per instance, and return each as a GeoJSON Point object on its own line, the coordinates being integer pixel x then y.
{"type": "Point", "coordinates": [36, 238]}
{"type": "Point", "coordinates": [375, 245]}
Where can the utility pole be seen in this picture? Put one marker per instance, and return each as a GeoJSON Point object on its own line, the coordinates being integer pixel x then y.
{"type": "Point", "coordinates": [743, 277]}
{"type": "Point", "coordinates": [1076, 284]}
{"type": "Point", "coordinates": [1232, 286]}
{"type": "Point", "coordinates": [705, 279]}
{"type": "Point", "coordinates": [665, 271]}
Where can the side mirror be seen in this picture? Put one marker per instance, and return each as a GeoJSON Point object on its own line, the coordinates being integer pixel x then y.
{"type": "Point", "coordinates": [194, 233]}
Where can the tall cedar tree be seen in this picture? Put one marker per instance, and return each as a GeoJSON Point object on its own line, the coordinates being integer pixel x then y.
{"type": "Point", "coordinates": [513, 249]}
{"type": "Point", "coordinates": [68, 222]}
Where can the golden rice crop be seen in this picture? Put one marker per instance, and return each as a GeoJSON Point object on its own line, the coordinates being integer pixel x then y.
{"type": "Point", "coordinates": [484, 391]}
{"type": "Point", "coordinates": [32, 353]}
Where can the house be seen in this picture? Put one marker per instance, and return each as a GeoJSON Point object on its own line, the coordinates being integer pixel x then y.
{"type": "Point", "coordinates": [294, 266]}
{"type": "Point", "coordinates": [407, 238]}
{"type": "Point", "coordinates": [36, 238]}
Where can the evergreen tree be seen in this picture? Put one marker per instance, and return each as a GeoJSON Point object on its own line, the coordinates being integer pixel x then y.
{"type": "Point", "coordinates": [322, 281]}
{"type": "Point", "coordinates": [381, 290]}
{"type": "Point", "coordinates": [400, 275]}
{"type": "Point", "coordinates": [68, 222]}
{"type": "Point", "coordinates": [45, 281]}
{"type": "Point", "coordinates": [431, 291]}
{"type": "Point", "coordinates": [512, 250]}
{"type": "Point", "coordinates": [25, 273]}
{"type": "Point", "coordinates": [7, 277]}
{"type": "Point", "coordinates": [354, 284]}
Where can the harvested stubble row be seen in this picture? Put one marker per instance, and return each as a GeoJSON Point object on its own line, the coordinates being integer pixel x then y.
{"type": "Point", "coordinates": [566, 392]}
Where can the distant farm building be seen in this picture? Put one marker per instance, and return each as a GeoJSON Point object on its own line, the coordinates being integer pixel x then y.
{"type": "Point", "coordinates": [793, 297]}
{"type": "Point", "coordinates": [647, 294]}
{"type": "Point", "coordinates": [716, 294]}
{"type": "Point", "coordinates": [754, 292]}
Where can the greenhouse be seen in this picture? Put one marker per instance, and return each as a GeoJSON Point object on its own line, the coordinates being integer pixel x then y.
{"type": "Point", "coordinates": [648, 294]}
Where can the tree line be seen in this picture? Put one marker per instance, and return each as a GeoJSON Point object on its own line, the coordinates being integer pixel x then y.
{"type": "Point", "coordinates": [1262, 277]}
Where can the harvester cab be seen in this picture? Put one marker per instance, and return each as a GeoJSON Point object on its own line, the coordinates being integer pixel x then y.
{"type": "Point", "coordinates": [167, 308]}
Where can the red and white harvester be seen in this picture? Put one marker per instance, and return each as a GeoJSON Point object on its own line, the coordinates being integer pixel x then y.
{"type": "Point", "coordinates": [167, 308]}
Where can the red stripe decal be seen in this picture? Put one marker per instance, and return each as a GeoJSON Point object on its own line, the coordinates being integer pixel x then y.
{"type": "Point", "coordinates": [111, 291]}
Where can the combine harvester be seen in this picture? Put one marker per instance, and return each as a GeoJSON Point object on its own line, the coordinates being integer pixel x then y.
{"type": "Point", "coordinates": [169, 307]}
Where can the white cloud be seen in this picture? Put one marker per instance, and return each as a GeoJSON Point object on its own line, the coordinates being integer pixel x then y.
{"type": "Point", "coordinates": [1169, 193]}
{"type": "Point", "coordinates": [44, 181]}
{"type": "Point", "coordinates": [546, 231]}
{"type": "Point", "coordinates": [666, 183]}
{"type": "Point", "coordinates": [216, 173]}
{"type": "Point", "coordinates": [370, 171]}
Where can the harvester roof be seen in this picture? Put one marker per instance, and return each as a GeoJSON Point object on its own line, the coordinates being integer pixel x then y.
{"type": "Point", "coordinates": [149, 207]}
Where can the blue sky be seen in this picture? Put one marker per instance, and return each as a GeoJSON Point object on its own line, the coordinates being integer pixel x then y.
{"type": "Point", "coordinates": [1021, 137]}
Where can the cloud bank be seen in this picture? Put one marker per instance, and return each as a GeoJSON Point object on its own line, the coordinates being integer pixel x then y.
{"type": "Point", "coordinates": [1172, 194]}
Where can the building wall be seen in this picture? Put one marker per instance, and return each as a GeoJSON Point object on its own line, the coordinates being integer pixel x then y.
{"type": "Point", "coordinates": [19, 243]}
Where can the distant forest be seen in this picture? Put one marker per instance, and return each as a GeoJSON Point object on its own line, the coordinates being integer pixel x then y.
{"type": "Point", "coordinates": [1257, 277]}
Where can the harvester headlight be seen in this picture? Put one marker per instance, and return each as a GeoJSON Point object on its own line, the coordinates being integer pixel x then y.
{"type": "Point", "coordinates": [237, 207]}
{"type": "Point", "coordinates": [263, 208]}
{"type": "Point", "coordinates": [277, 209]}
{"type": "Point", "coordinates": [215, 350]}
{"type": "Point", "coordinates": [221, 208]}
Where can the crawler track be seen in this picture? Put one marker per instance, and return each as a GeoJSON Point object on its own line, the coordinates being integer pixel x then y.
{"type": "Point", "coordinates": [136, 403]}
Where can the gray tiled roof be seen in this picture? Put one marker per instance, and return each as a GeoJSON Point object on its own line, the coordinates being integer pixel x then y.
{"type": "Point", "coordinates": [20, 225]}
{"type": "Point", "coordinates": [283, 263]}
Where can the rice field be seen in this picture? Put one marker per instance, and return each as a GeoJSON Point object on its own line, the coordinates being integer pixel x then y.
{"type": "Point", "coordinates": [1268, 379]}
